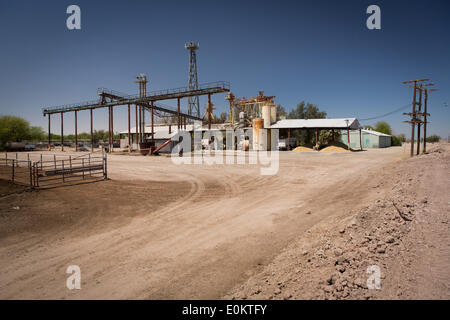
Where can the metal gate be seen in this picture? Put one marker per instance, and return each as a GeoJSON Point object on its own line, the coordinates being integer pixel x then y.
{"type": "Point", "coordinates": [54, 172]}
{"type": "Point", "coordinates": [83, 168]}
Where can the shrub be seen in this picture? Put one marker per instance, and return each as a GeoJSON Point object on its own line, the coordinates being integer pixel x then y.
{"type": "Point", "coordinates": [433, 138]}
{"type": "Point", "coordinates": [395, 141]}
{"type": "Point", "coordinates": [383, 127]}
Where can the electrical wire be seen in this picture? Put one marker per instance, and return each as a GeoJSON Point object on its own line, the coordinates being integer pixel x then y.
{"type": "Point", "coordinates": [389, 113]}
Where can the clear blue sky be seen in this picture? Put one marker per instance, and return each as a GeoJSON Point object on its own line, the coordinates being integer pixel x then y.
{"type": "Point", "coordinates": [318, 51]}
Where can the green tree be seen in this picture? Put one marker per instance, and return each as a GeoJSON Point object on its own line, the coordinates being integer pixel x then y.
{"type": "Point", "coordinates": [13, 129]}
{"type": "Point", "coordinates": [37, 134]}
{"type": "Point", "coordinates": [281, 112]}
{"type": "Point", "coordinates": [383, 127]}
{"type": "Point", "coordinates": [326, 136]}
{"type": "Point", "coordinates": [306, 111]}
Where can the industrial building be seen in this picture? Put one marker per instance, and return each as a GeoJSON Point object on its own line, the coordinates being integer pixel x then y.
{"type": "Point", "coordinates": [149, 136]}
{"type": "Point", "coordinates": [369, 139]}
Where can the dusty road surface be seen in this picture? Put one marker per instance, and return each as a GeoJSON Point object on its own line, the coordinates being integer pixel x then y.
{"type": "Point", "coordinates": [402, 239]}
{"type": "Point", "coordinates": [158, 230]}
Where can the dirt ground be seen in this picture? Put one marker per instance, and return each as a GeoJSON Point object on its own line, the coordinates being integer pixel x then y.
{"type": "Point", "coordinates": [158, 230]}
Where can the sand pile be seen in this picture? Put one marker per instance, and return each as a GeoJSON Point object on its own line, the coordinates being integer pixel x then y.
{"type": "Point", "coordinates": [335, 147]}
{"type": "Point", "coordinates": [303, 149]}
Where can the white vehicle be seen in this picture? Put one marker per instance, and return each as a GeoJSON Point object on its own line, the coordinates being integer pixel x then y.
{"type": "Point", "coordinates": [284, 145]}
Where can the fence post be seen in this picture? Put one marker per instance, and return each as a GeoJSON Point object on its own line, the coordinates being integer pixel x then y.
{"type": "Point", "coordinates": [70, 164]}
{"type": "Point", "coordinates": [54, 159]}
{"type": "Point", "coordinates": [105, 168]}
{"type": "Point", "coordinates": [13, 165]}
{"type": "Point", "coordinates": [82, 166]}
{"type": "Point", "coordinates": [90, 173]}
{"type": "Point", "coordinates": [41, 161]}
{"type": "Point", "coordinates": [31, 175]}
{"type": "Point", "coordinates": [36, 175]}
{"type": "Point", "coordinates": [62, 166]}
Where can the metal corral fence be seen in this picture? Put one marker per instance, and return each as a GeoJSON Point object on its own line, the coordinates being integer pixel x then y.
{"type": "Point", "coordinates": [17, 171]}
{"type": "Point", "coordinates": [54, 170]}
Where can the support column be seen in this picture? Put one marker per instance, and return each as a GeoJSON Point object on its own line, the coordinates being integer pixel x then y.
{"type": "Point", "coordinates": [178, 114]}
{"type": "Point", "coordinates": [153, 129]}
{"type": "Point", "coordinates": [348, 138]}
{"type": "Point", "coordinates": [360, 139]}
{"type": "Point", "coordinates": [140, 123]}
{"type": "Point", "coordinates": [209, 111]}
{"type": "Point", "coordinates": [184, 122]}
{"type": "Point", "coordinates": [62, 132]}
{"type": "Point", "coordinates": [288, 139]}
{"type": "Point", "coordinates": [129, 129]}
{"type": "Point", "coordinates": [76, 131]}
{"type": "Point", "coordinates": [112, 128]}
{"type": "Point", "coordinates": [92, 132]}
{"type": "Point", "coordinates": [49, 132]}
{"type": "Point", "coordinates": [317, 139]}
{"type": "Point", "coordinates": [137, 126]}
{"type": "Point", "coordinates": [109, 129]}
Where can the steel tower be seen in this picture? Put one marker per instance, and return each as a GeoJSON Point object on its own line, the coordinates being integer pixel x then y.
{"type": "Point", "coordinates": [193, 102]}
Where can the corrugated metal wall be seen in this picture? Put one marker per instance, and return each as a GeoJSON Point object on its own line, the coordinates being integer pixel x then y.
{"type": "Point", "coordinates": [368, 140]}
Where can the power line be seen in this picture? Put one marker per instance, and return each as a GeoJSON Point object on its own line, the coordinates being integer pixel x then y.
{"type": "Point", "coordinates": [389, 113]}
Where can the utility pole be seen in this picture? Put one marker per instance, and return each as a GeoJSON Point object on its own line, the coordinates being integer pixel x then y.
{"type": "Point", "coordinates": [193, 102]}
{"type": "Point", "coordinates": [420, 89]}
{"type": "Point", "coordinates": [425, 121]}
{"type": "Point", "coordinates": [413, 114]}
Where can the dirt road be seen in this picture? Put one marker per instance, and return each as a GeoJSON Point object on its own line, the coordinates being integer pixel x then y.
{"type": "Point", "coordinates": [402, 238]}
{"type": "Point", "coordinates": [159, 230]}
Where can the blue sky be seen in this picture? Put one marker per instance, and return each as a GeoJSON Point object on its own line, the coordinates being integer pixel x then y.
{"type": "Point", "coordinates": [318, 51]}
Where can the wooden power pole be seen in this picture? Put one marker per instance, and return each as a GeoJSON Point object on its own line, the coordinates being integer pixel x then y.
{"type": "Point", "coordinates": [413, 113]}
